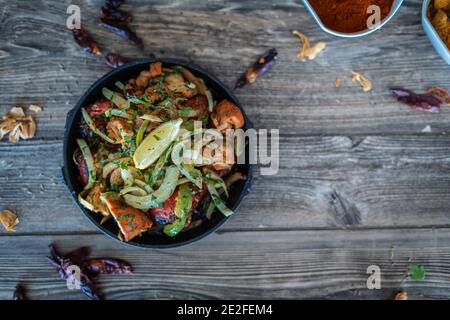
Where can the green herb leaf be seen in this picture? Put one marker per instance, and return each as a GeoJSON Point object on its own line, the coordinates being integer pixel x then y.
{"type": "Point", "coordinates": [417, 271]}
{"type": "Point", "coordinates": [125, 216]}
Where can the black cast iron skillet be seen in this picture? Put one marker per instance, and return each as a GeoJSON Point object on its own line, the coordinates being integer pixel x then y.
{"type": "Point", "coordinates": [70, 171]}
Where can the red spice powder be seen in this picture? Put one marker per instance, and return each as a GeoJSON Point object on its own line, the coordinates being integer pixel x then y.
{"type": "Point", "coordinates": [348, 16]}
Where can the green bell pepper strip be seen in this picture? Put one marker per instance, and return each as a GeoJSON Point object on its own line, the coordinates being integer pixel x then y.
{"type": "Point", "coordinates": [218, 202]}
{"type": "Point", "coordinates": [156, 198]}
{"type": "Point", "coordinates": [94, 128]}
{"type": "Point", "coordinates": [140, 133]}
{"type": "Point", "coordinates": [182, 207]}
{"type": "Point", "coordinates": [89, 162]}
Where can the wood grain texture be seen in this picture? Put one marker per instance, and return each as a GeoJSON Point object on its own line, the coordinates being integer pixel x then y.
{"type": "Point", "coordinates": [245, 265]}
{"type": "Point", "coordinates": [40, 62]}
{"type": "Point", "coordinates": [359, 184]}
{"type": "Point", "coordinates": [323, 182]}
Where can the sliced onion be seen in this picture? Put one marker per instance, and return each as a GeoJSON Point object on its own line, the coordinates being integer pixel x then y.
{"type": "Point", "coordinates": [156, 198]}
{"type": "Point", "coordinates": [135, 191]}
{"type": "Point", "coordinates": [218, 202]}
{"type": "Point", "coordinates": [116, 98]}
{"type": "Point", "coordinates": [85, 203]}
{"type": "Point", "coordinates": [210, 100]}
{"type": "Point", "coordinates": [94, 128]}
{"type": "Point", "coordinates": [127, 177]}
{"type": "Point", "coordinates": [151, 118]}
{"type": "Point", "coordinates": [192, 174]}
{"type": "Point", "coordinates": [108, 168]}
{"type": "Point", "coordinates": [142, 184]}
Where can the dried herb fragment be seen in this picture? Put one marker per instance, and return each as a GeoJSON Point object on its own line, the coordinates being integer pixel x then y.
{"type": "Point", "coordinates": [440, 93]}
{"type": "Point", "coordinates": [363, 81]}
{"type": "Point", "coordinates": [122, 31]}
{"type": "Point", "coordinates": [85, 41]}
{"type": "Point", "coordinates": [114, 60]}
{"type": "Point", "coordinates": [258, 69]}
{"type": "Point", "coordinates": [18, 125]}
{"type": "Point", "coordinates": [307, 51]}
{"type": "Point", "coordinates": [8, 219]}
{"type": "Point", "coordinates": [19, 293]}
{"type": "Point", "coordinates": [111, 14]}
{"type": "Point", "coordinates": [107, 266]}
{"type": "Point", "coordinates": [422, 102]}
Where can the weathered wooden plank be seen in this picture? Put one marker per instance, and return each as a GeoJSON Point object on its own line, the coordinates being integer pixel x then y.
{"type": "Point", "coordinates": [39, 62]}
{"type": "Point", "coordinates": [245, 265]}
{"type": "Point", "coordinates": [323, 182]}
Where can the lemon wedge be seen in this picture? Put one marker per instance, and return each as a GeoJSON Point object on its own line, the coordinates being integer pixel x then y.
{"type": "Point", "coordinates": [156, 143]}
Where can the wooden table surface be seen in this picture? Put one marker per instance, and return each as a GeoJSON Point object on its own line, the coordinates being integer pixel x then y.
{"type": "Point", "coordinates": [359, 182]}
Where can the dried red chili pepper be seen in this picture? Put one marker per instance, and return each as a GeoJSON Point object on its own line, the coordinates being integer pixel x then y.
{"type": "Point", "coordinates": [114, 15]}
{"type": "Point", "coordinates": [61, 264]}
{"type": "Point", "coordinates": [19, 293]}
{"type": "Point", "coordinates": [107, 266]}
{"type": "Point", "coordinates": [440, 93]}
{"type": "Point", "coordinates": [423, 102]}
{"type": "Point", "coordinates": [85, 41]}
{"type": "Point", "coordinates": [89, 268]}
{"type": "Point", "coordinates": [114, 60]}
{"type": "Point", "coordinates": [122, 31]}
{"type": "Point", "coordinates": [258, 69]}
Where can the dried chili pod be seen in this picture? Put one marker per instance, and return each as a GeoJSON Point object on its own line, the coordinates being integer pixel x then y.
{"type": "Point", "coordinates": [258, 69]}
{"type": "Point", "coordinates": [423, 102]}
{"type": "Point", "coordinates": [114, 60]}
{"type": "Point", "coordinates": [440, 93]}
{"type": "Point", "coordinates": [114, 15]}
{"type": "Point", "coordinates": [62, 264]}
{"type": "Point", "coordinates": [19, 293]}
{"type": "Point", "coordinates": [122, 31]}
{"type": "Point", "coordinates": [114, 4]}
{"type": "Point", "coordinates": [107, 266]}
{"type": "Point", "coordinates": [85, 41]}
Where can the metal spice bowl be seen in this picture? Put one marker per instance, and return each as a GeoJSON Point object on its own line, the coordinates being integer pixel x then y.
{"type": "Point", "coordinates": [395, 6]}
{"type": "Point", "coordinates": [70, 171]}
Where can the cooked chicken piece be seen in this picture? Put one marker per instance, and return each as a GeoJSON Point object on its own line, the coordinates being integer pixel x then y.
{"type": "Point", "coordinates": [152, 94]}
{"type": "Point", "coordinates": [93, 198]}
{"type": "Point", "coordinates": [199, 104]}
{"type": "Point", "coordinates": [132, 222]}
{"type": "Point", "coordinates": [98, 108]}
{"type": "Point", "coordinates": [143, 78]}
{"type": "Point", "coordinates": [227, 115]}
{"type": "Point", "coordinates": [155, 69]}
{"type": "Point", "coordinates": [120, 130]}
{"type": "Point", "coordinates": [176, 84]}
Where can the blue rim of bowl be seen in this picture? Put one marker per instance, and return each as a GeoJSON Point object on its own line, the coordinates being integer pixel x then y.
{"type": "Point", "coordinates": [70, 186]}
{"type": "Point", "coordinates": [427, 21]}
{"type": "Point", "coordinates": [316, 17]}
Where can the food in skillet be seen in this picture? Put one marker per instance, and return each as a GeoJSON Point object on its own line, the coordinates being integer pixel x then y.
{"type": "Point", "coordinates": [131, 158]}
